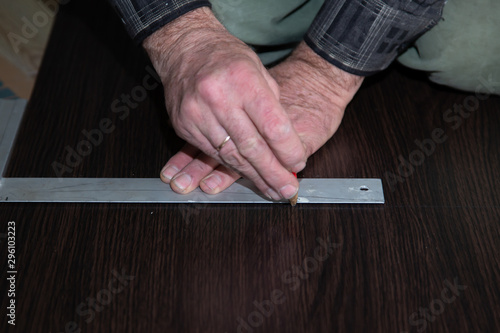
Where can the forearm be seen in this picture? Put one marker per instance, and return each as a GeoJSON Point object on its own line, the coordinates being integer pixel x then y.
{"type": "Point", "coordinates": [176, 38]}
{"type": "Point", "coordinates": [143, 17]}
{"type": "Point", "coordinates": [364, 36]}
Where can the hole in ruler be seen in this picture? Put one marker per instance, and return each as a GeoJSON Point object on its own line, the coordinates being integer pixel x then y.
{"type": "Point", "coordinates": [364, 188]}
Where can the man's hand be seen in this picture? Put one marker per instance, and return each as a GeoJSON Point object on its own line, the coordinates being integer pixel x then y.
{"type": "Point", "coordinates": [215, 87]}
{"type": "Point", "coordinates": [314, 94]}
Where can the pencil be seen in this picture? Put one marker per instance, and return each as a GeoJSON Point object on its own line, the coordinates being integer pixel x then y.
{"type": "Point", "coordinates": [293, 201]}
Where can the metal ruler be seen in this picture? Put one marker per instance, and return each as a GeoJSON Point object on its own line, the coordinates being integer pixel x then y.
{"type": "Point", "coordinates": [152, 190]}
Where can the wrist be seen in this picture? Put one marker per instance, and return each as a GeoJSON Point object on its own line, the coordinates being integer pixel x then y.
{"type": "Point", "coordinates": [333, 81]}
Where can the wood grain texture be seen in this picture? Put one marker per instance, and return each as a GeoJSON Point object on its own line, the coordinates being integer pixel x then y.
{"type": "Point", "coordinates": [200, 268]}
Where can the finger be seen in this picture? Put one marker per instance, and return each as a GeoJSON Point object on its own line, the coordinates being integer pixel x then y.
{"type": "Point", "coordinates": [240, 126]}
{"type": "Point", "coordinates": [252, 93]}
{"type": "Point", "coordinates": [185, 170]}
{"type": "Point", "coordinates": [256, 162]}
{"type": "Point", "coordinates": [190, 165]}
{"type": "Point", "coordinates": [274, 125]}
{"type": "Point", "coordinates": [272, 84]}
{"type": "Point", "coordinates": [190, 176]}
{"type": "Point", "coordinates": [253, 158]}
{"type": "Point", "coordinates": [178, 162]}
{"type": "Point", "coordinates": [199, 126]}
{"type": "Point", "coordinates": [219, 180]}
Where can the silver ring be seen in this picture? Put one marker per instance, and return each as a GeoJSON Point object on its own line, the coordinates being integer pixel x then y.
{"type": "Point", "coordinates": [223, 143]}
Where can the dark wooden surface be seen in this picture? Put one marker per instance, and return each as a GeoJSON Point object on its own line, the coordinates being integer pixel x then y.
{"type": "Point", "coordinates": [199, 268]}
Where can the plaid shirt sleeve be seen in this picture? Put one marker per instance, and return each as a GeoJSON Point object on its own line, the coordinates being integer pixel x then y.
{"type": "Point", "coordinates": [143, 17]}
{"type": "Point", "coordinates": [363, 37]}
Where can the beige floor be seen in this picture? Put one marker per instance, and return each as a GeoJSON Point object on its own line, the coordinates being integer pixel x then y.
{"type": "Point", "coordinates": [24, 30]}
{"type": "Point", "coordinates": [15, 79]}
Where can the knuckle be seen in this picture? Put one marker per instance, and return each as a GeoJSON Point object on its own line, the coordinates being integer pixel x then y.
{"type": "Point", "coordinates": [239, 66]}
{"type": "Point", "coordinates": [198, 167]}
{"type": "Point", "coordinates": [244, 75]}
{"type": "Point", "coordinates": [251, 148]}
{"type": "Point", "coordinates": [188, 112]}
{"type": "Point", "coordinates": [207, 87]}
{"type": "Point", "coordinates": [188, 105]}
{"type": "Point", "coordinates": [233, 159]}
{"type": "Point", "coordinates": [275, 129]}
{"type": "Point", "coordinates": [297, 156]}
{"type": "Point", "coordinates": [183, 126]}
{"type": "Point", "coordinates": [183, 132]}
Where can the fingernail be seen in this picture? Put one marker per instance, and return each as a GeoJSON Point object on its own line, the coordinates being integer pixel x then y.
{"type": "Point", "coordinates": [288, 191]}
{"type": "Point", "coordinates": [169, 171]}
{"type": "Point", "coordinates": [212, 181]}
{"type": "Point", "coordinates": [275, 196]}
{"type": "Point", "coordinates": [182, 181]}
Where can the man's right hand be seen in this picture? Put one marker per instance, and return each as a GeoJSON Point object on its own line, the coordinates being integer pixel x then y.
{"type": "Point", "coordinates": [216, 86]}
{"type": "Point", "coordinates": [315, 95]}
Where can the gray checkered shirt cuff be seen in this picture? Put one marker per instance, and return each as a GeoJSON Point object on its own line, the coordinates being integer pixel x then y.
{"type": "Point", "coordinates": [143, 17]}
{"type": "Point", "coordinates": [363, 37]}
